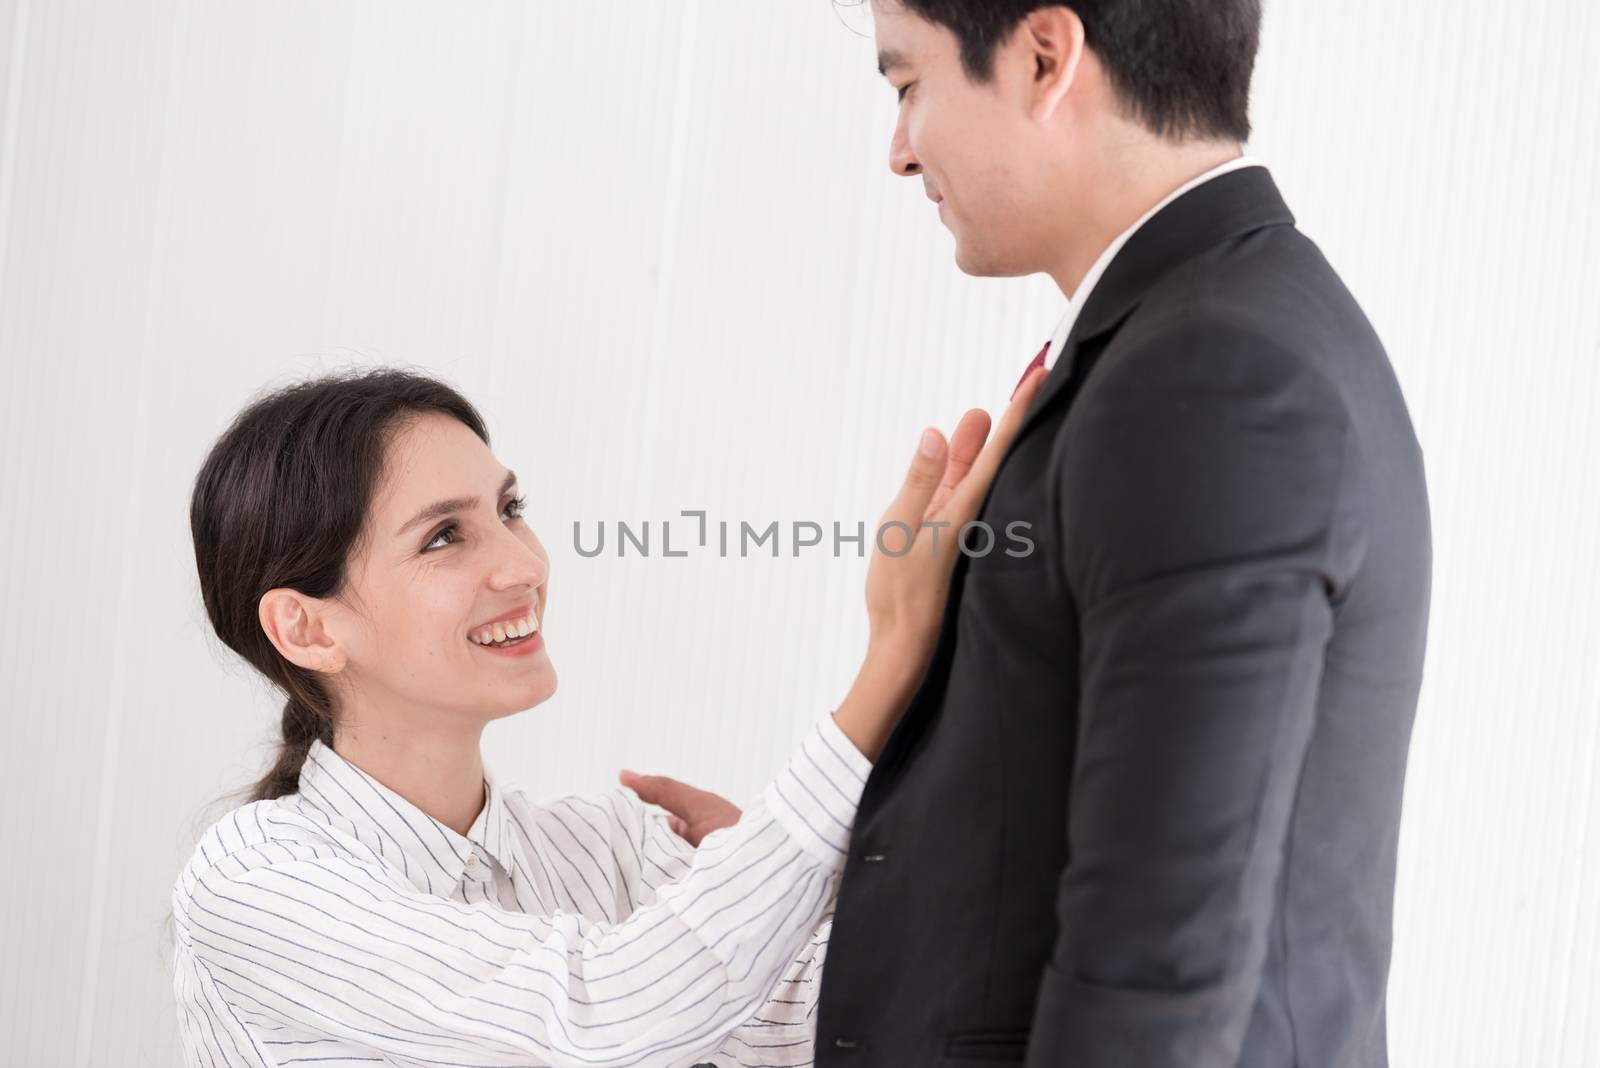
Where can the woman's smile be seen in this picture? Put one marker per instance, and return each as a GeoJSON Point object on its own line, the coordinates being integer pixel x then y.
{"type": "Point", "coordinates": [526, 646]}
{"type": "Point", "coordinates": [514, 634]}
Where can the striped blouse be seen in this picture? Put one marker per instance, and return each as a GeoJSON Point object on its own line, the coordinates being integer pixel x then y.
{"type": "Point", "coordinates": [343, 925]}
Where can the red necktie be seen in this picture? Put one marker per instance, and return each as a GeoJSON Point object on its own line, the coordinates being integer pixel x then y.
{"type": "Point", "coordinates": [1038, 361]}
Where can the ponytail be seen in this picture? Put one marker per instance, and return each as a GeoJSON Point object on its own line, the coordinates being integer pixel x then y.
{"type": "Point", "coordinates": [301, 727]}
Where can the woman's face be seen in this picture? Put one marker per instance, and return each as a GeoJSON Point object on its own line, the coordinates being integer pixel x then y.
{"type": "Point", "coordinates": [446, 553]}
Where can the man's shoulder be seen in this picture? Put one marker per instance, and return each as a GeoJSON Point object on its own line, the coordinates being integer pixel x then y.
{"type": "Point", "coordinates": [1275, 284]}
{"type": "Point", "coordinates": [1267, 308]}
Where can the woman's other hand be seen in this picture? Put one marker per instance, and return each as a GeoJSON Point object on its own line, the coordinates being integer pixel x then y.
{"type": "Point", "coordinates": [692, 813]}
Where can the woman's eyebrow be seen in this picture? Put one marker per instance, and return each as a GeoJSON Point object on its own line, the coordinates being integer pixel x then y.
{"type": "Point", "coordinates": [440, 509]}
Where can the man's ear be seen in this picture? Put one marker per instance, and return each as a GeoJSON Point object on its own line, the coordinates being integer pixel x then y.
{"type": "Point", "coordinates": [1054, 36]}
{"type": "Point", "coordinates": [297, 626]}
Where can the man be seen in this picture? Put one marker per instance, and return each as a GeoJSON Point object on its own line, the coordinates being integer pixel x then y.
{"type": "Point", "coordinates": [1143, 809]}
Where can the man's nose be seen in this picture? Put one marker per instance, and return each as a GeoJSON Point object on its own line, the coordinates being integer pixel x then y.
{"type": "Point", "coordinates": [902, 160]}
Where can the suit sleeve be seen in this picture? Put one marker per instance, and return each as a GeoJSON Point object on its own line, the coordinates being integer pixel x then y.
{"type": "Point", "coordinates": [1210, 498]}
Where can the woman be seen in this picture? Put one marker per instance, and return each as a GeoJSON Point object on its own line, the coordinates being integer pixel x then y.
{"type": "Point", "coordinates": [383, 897]}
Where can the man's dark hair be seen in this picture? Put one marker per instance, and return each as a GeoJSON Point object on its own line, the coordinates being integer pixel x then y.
{"type": "Point", "coordinates": [1181, 67]}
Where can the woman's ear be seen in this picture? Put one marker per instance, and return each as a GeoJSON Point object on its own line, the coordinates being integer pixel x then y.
{"type": "Point", "coordinates": [1054, 37]}
{"type": "Point", "coordinates": [297, 626]}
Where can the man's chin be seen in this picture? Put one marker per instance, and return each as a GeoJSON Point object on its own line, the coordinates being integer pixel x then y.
{"type": "Point", "coordinates": [978, 265]}
{"type": "Point", "coordinates": [967, 263]}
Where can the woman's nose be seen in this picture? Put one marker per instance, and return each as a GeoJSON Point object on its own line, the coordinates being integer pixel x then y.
{"type": "Point", "coordinates": [517, 564]}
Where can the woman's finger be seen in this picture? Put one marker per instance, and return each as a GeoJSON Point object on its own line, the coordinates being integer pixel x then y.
{"type": "Point", "coordinates": [670, 794]}
{"type": "Point", "coordinates": [965, 445]}
{"type": "Point", "coordinates": [968, 496]}
{"type": "Point", "coordinates": [910, 505]}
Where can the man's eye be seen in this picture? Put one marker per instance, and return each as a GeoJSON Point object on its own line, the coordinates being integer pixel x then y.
{"type": "Point", "coordinates": [900, 94]}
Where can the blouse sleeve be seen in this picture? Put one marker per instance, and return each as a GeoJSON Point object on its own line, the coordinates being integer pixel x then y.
{"type": "Point", "coordinates": [322, 942]}
{"type": "Point", "coordinates": [782, 1032]}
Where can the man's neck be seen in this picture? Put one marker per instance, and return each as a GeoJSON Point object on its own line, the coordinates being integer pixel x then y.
{"type": "Point", "coordinates": [1117, 197]}
{"type": "Point", "coordinates": [438, 770]}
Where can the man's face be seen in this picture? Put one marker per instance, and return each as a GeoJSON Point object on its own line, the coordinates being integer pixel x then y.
{"type": "Point", "coordinates": [969, 143]}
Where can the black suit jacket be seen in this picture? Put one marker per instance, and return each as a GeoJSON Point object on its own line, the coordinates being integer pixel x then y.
{"type": "Point", "coordinates": [1143, 808]}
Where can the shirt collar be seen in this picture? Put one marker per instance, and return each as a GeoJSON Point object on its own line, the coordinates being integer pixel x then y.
{"type": "Point", "coordinates": [1081, 296]}
{"type": "Point", "coordinates": [430, 854]}
{"type": "Point", "coordinates": [489, 829]}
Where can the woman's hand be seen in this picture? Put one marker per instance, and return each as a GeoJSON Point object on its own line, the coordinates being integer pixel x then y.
{"type": "Point", "coordinates": [691, 812]}
{"type": "Point", "coordinates": [905, 599]}
{"type": "Point", "coordinates": [906, 592]}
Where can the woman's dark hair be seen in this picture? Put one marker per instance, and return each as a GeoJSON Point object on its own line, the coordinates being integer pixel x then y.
{"type": "Point", "coordinates": [1181, 67]}
{"type": "Point", "coordinates": [281, 501]}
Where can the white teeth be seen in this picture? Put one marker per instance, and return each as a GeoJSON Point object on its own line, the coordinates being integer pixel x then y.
{"type": "Point", "coordinates": [501, 632]}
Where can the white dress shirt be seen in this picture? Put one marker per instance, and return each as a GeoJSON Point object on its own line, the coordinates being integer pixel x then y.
{"type": "Point", "coordinates": [1075, 305]}
{"type": "Point", "coordinates": [342, 925]}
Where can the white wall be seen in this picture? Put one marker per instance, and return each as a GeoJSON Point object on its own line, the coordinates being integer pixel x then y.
{"type": "Point", "coordinates": [659, 243]}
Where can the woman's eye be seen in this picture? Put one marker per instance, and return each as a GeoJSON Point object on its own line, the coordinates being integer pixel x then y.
{"type": "Point", "coordinates": [512, 510]}
{"type": "Point", "coordinates": [451, 529]}
{"type": "Point", "coordinates": [900, 94]}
